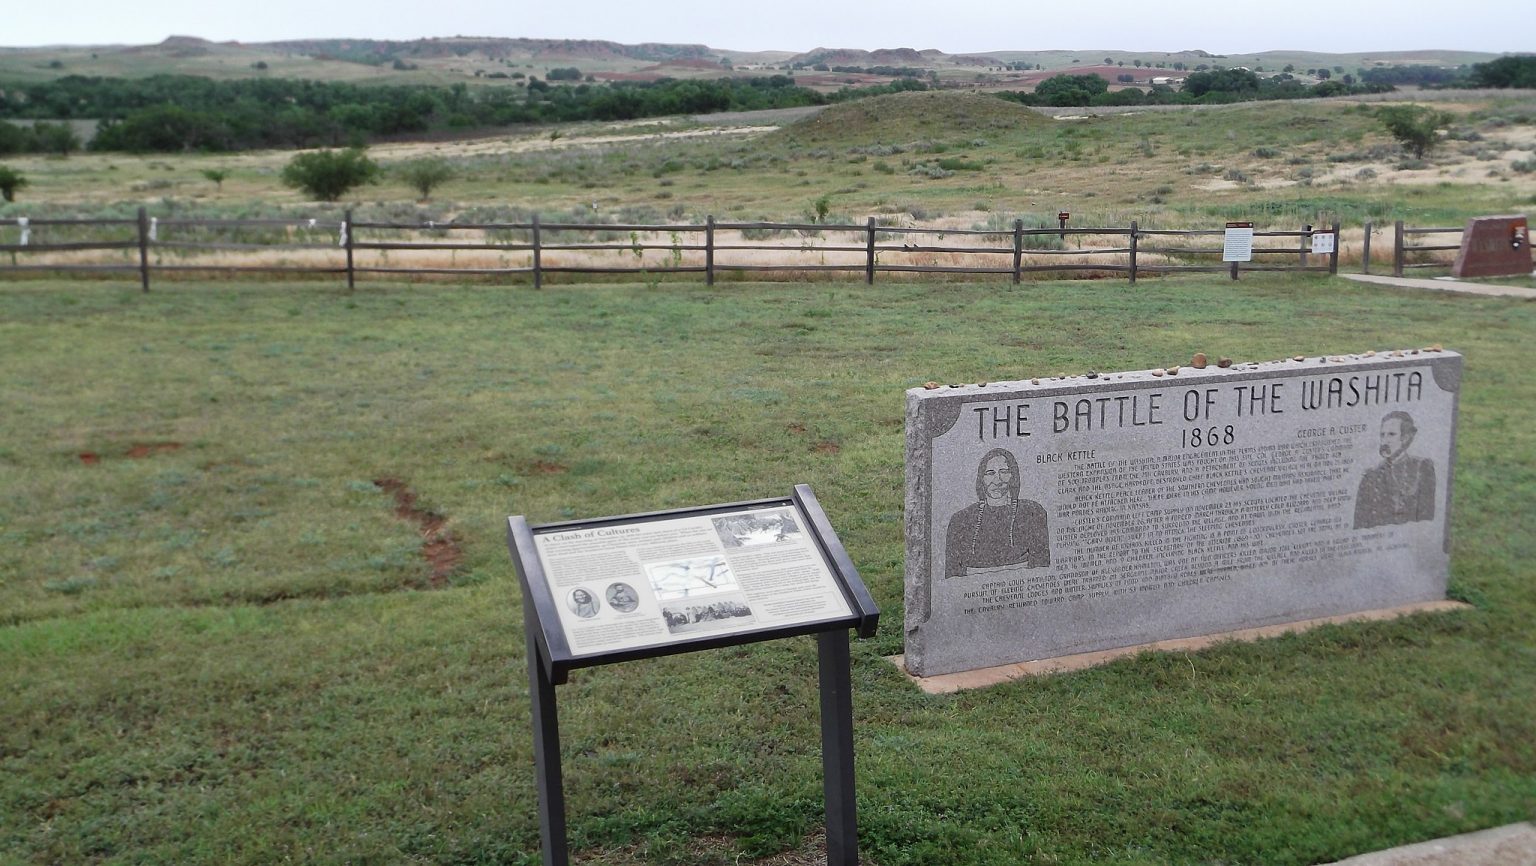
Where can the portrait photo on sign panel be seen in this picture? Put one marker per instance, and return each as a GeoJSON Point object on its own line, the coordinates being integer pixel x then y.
{"type": "Point", "coordinates": [622, 597]}
{"type": "Point", "coordinates": [1000, 529]}
{"type": "Point", "coordinates": [582, 603]}
{"type": "Point", "coordinates": [1400, 488]}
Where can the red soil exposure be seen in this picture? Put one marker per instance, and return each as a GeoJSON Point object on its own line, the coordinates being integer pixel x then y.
{"type": "Point", "coordinates": [545, 467]}
{"type": "Point", "coordinates": [439, 547]}
{"type": "Point", "coordinates": [141, 450]}
{"type": "Point", "coordinates": [90, 458]}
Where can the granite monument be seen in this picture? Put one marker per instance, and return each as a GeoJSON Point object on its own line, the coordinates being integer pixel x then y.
{"type": "Point", "coordinates": [1064, 515]}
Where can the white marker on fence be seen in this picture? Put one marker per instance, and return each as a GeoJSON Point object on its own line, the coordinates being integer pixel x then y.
{"type": "Point", "coordinates": [26, 229]}
{"type": "Point", "coordinates": [312, 222]}
{"type": "Point", "coordinates": [341, 239]}
{"type": "Point", "coordinates": [154, 228]}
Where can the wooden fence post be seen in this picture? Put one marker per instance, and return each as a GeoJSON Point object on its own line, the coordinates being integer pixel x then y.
{"type": "Point", "coordinates": [538, 259]}
{"type": "Point", "coordinates": [1234, 270]}
{"type": "Point", "coordinates": [1133, 252]}
{"type": "Point", "coordinates": [1306, 241]}
{"type": "Point", "coordinates": [144, 248]}
{"type": "Point", "coordinates": [346, 236]}
{"type": "Point", "coordinates": [869, 265]}
{"type": "Point", "coordinates": [709, 250]}
{"type": "Point", "coordinates": [1398, 254]}
{"type": "Point", "coordinates": [1018, 248]}
{"type": "Point", "coordinates": [1365, 249]}
{"type": "Point", "coordinates": [1333, 257]}
{"type": "Point", "coordinates": [1397, 250]}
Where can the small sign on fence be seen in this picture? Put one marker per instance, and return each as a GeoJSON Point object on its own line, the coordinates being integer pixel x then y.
{"type": "Point", "coordinates": [1323, 242]}
{"type": "Point", "coordinates": [1237, 243]}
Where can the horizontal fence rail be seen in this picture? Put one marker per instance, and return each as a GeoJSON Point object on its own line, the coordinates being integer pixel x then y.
{"type": "Point", "coordinates": [530, 251]}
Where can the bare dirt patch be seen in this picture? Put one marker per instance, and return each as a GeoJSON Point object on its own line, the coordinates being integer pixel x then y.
{"type": "Point", "coordinates": [529, 144]}
{"type": "Point", "coordinates": [140, 450]}
{"type": "Point", "coordinates": [439, 546]}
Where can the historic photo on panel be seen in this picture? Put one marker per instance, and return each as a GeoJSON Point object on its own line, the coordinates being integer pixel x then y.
{"type": "Point", "coordinates": [1074, 514]}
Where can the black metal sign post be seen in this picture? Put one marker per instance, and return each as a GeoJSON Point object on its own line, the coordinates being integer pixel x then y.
{"type": "Point", "coordinates": [795, 523]}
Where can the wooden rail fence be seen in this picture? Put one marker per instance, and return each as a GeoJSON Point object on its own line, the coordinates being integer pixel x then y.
{"type": "Point", "coordinates": [146, 246]}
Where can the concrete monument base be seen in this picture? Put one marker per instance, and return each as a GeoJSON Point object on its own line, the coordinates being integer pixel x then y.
{"type": "Point", "coordinates": [983, 677]}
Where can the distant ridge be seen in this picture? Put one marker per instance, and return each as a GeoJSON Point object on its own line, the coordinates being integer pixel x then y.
{"type": "Point", "coordinates": [514, 61]}
{"type": "Point", "coordinates": [491, 47]}
{"type": "Point", "coordinates": [882, 57]}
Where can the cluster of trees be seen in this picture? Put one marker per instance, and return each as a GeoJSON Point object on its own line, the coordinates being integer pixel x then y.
{"type": "Point", "coordinates": [43, 137]}
{"type": "Point", "coordinates": [1518, 70]}
{"type": "Point", "coordinates": [1515, 70]}
{"type": "Point", "coordinates": [185, 113]}
{"type": "Point", "coordinates": [1220, 85]}
{"type": "Point", "coordinates": [1418, 74]}
{"type": "Point", "coordinates": [1208, 84]}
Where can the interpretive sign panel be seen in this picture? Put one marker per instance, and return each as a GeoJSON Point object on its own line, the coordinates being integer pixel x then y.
{"type": "Point", "coordinates": [611, 589]}
{"type": "Point", "coordinates": [1237, 243]}
{"type": "Point", "coordinates": [1323, 242]}
{"type": "Point", "coordinates": [626, 587]}
{"type": "Point", "coordinates": [1066, 515]}
{"type": "Point", "coordinates": [1495, 246]}
{"type": "Point", "coordinates": [647, 583]}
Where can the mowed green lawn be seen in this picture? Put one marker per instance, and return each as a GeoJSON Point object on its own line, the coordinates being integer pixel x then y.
{"type": "Point", "coordinates": [219, 643]}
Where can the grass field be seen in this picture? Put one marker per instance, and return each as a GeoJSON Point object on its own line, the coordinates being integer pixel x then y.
{"type": "Point", "coordinates": [223, 642]}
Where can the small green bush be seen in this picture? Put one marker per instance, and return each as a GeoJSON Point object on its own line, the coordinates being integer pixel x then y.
{"type": "Point", "coordinates": [950, 163]}
{"type": "Point", "coordinates": [11, 180]}
{"type": "Point", "coordinates": [1414, 126]}
{"type": "Point", "coordinates": [330, 174]}
{"type": "Point", "coordinates": [425, 175]}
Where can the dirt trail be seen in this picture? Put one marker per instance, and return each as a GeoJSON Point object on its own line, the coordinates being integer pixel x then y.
{"type": "Point", "coordinates": [439, 546]}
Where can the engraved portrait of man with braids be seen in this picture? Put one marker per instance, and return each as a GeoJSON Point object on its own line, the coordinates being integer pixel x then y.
{"type": "Point", "coordinates": [999, 530]}
{"type": "Point", "coordinates": [1399, 489]}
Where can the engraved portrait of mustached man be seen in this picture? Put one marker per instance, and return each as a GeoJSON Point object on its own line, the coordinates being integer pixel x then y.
{"type": "Point", "coordinates": [1000, 530]}
{"type": "Point", "coordinates": [1401, 488]}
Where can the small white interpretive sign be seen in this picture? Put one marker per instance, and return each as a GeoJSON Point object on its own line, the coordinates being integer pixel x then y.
{"type": "Point", "coordinates": [1237, 243]}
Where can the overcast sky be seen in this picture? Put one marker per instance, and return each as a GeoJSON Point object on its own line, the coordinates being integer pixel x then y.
{"type": "Point", "coordinates": [953, 26]}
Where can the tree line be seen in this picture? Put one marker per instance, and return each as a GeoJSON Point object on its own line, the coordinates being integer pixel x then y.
{"type": "Point", "coordinates": [1215, 86]}
{"type": "Point", "coordinates": [169, 113]}
{"type": "Point", "coordinates": [1243, 85]}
